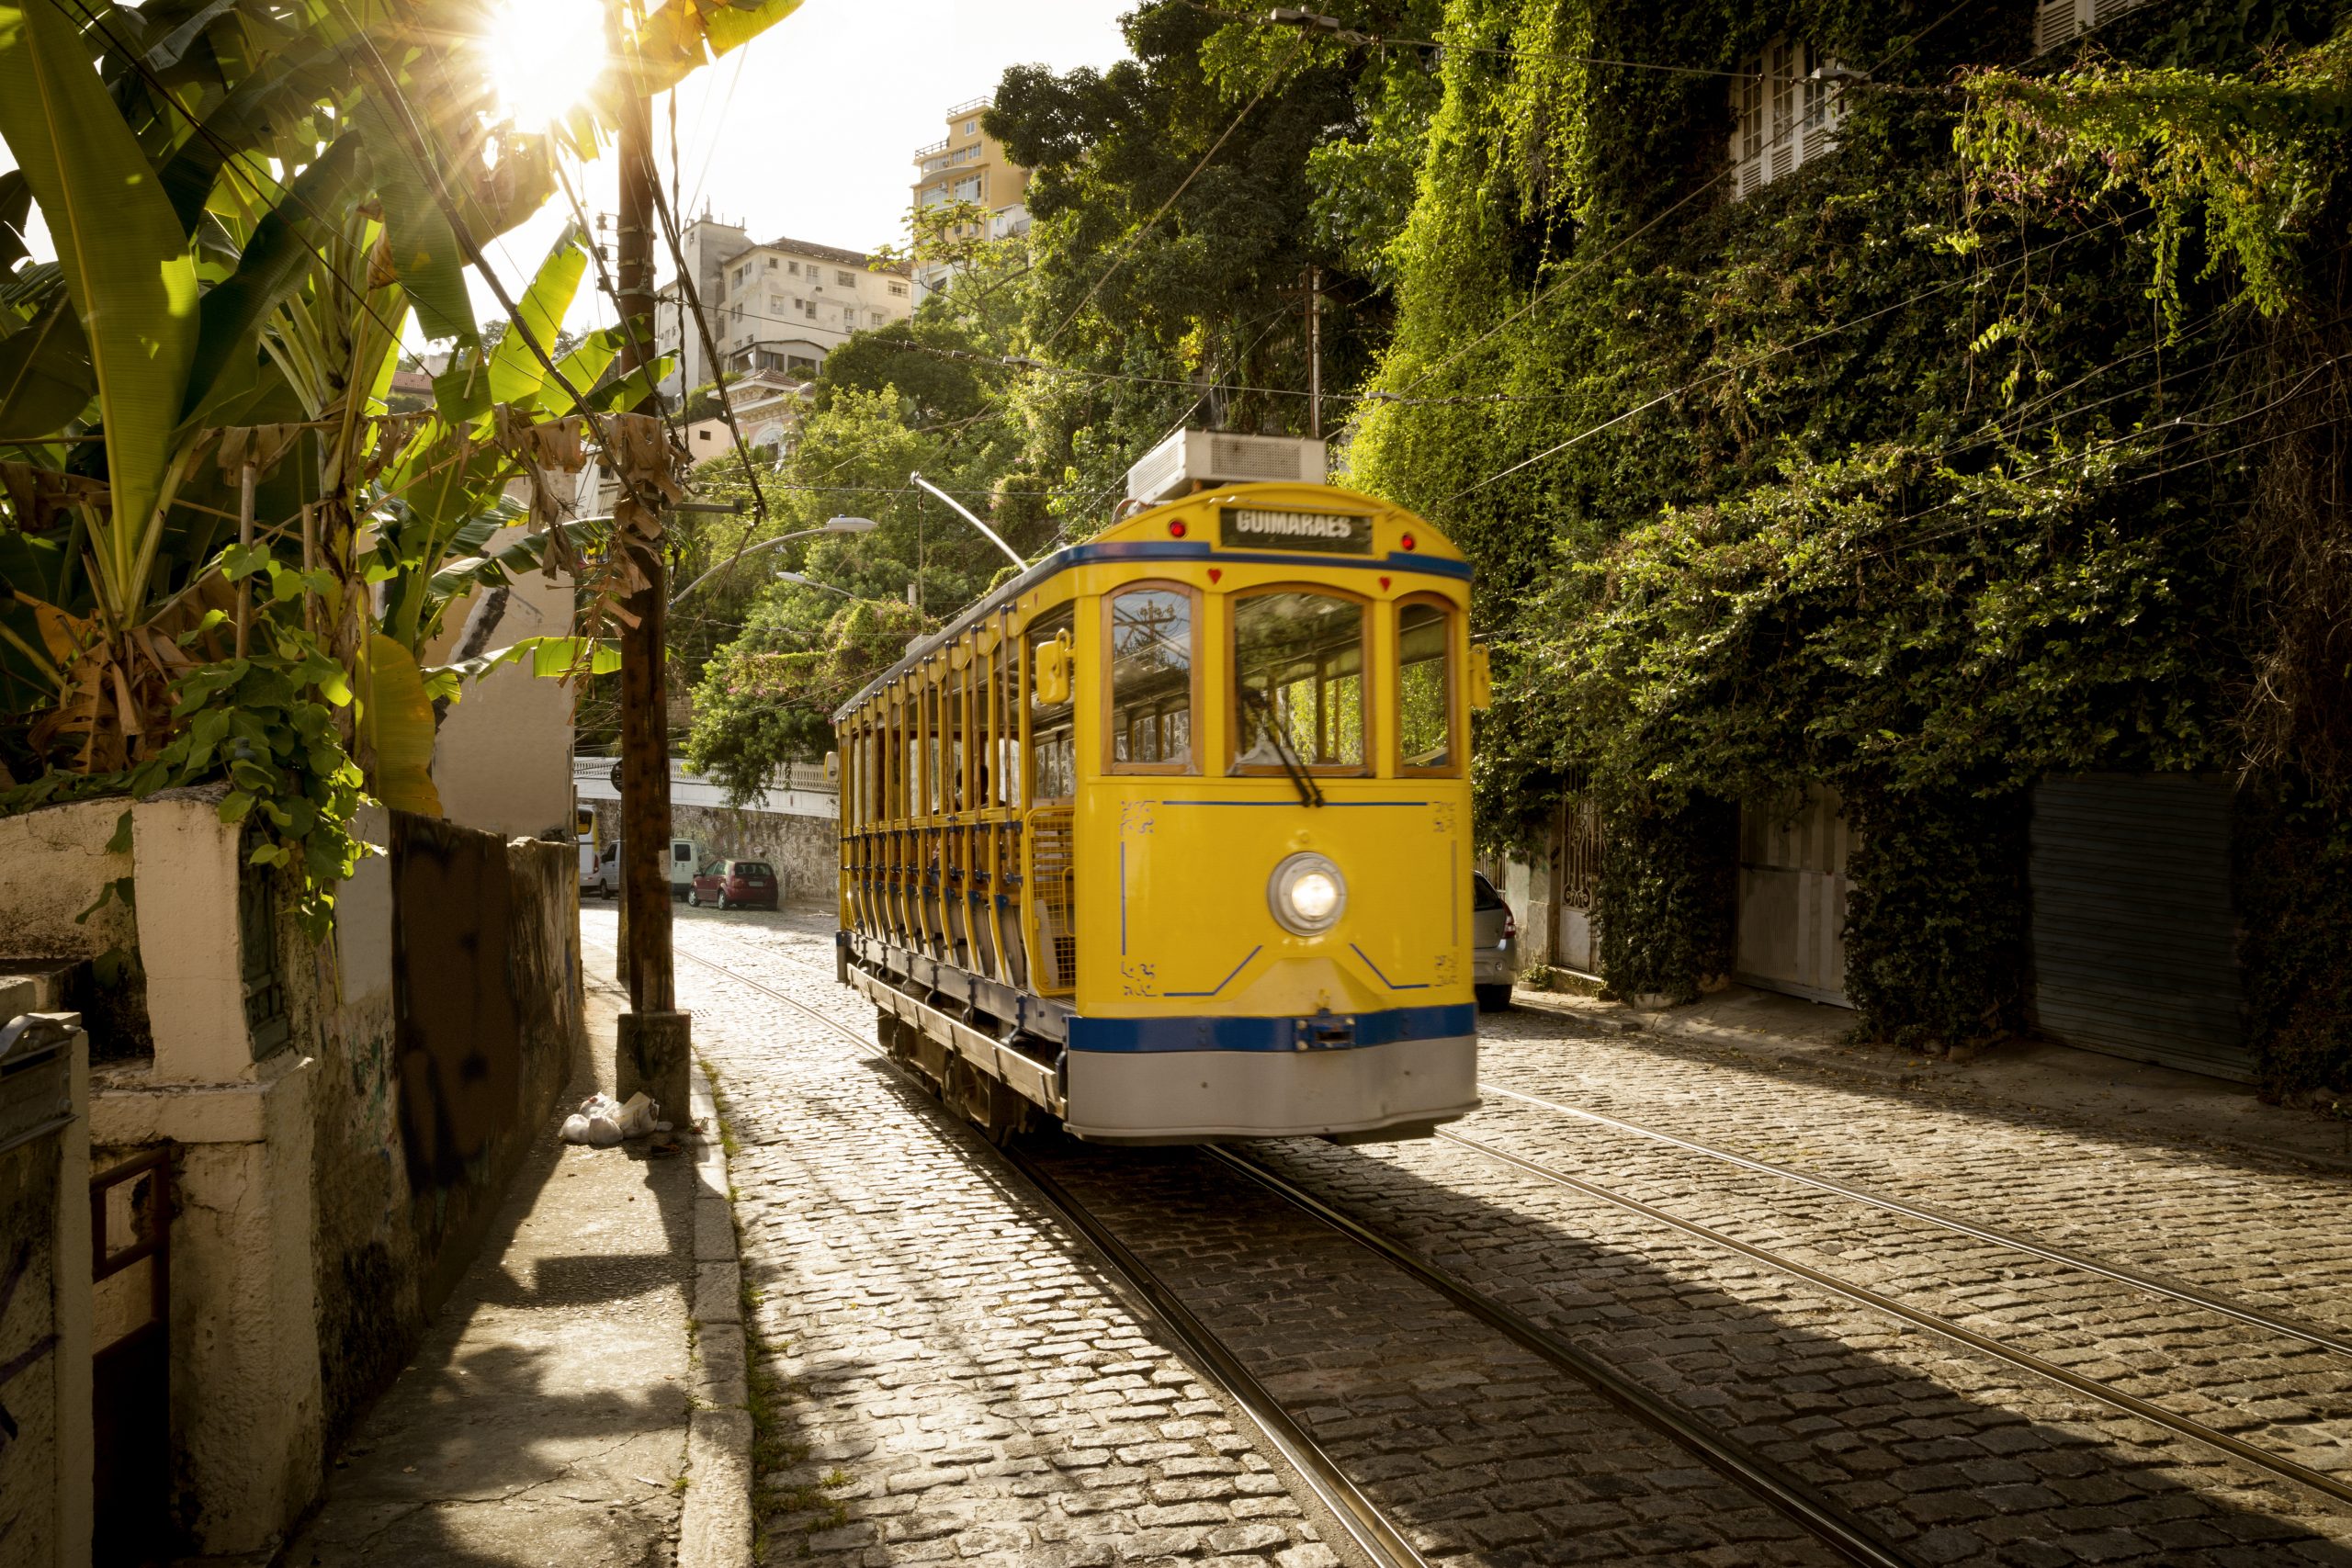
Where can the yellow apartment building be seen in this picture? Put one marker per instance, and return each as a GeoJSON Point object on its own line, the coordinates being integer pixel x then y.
{"type": "Point", "coordinates": [970, 165]}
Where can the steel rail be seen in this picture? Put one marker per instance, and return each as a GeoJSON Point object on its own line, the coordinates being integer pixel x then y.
{"type": "Point", "coordinates": [2121, 1273]}
{"type": "Point", "coordinates": [2156, 1414]}
{"type": "Point", "coordinates": [1783, 1490]}
{"type": "Point", "coordinates": [1358, 1515]}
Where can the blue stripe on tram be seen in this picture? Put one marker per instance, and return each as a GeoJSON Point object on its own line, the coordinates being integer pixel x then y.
{"type": "Point", "coordinates": [1384, 1028]}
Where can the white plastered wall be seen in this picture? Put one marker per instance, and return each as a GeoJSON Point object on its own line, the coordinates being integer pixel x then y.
{"type": "Point", "coordinates": [503, 760]}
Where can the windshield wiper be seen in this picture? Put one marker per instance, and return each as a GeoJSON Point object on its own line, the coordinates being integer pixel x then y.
{"type": "Point", "coordinates": [1300, 778]}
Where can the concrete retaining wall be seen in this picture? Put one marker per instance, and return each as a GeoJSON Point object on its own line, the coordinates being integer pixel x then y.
{"type": "Point", "coordinates": [804, 850]}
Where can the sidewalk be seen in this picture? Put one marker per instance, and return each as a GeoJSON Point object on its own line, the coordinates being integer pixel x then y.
{"type": "Point", "coordinates": [543, 1420]}
{"type": "Point", "coordinates": [2079, 1084]}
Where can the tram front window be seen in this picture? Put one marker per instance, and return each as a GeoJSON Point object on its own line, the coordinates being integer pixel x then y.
{"type": "Point", "coordinates": [1298, 675]}
{"type": "Point", "coordinates": [1151, 678]}
{"type": "Point", "coordinates": [1424, 686]}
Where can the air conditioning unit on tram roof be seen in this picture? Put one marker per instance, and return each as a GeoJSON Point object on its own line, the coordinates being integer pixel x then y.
{"type": "Point", "coordinates": [1203, 459]}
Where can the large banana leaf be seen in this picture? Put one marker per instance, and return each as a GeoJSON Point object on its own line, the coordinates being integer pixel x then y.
{"type": "Point", "coordinates": [45, 377]}
{"type": "Point", "coordinates": [423, 248]}
{"type": "Point", "coordinates": [683, 36]}
{"type": "Point", "coordinates": [515, 374]}
{"type": "Point", "coordinates": [275, 260]}
{"type": "Point", "coordinates": [126, 261]}
{"type": "Point", "coordinates": [16, 206]}
{"type": "Point", "coordinates": [396, 723]}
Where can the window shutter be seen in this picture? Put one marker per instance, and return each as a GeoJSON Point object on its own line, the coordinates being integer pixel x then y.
{"type": "Point", "coordinates": [2053, 24]}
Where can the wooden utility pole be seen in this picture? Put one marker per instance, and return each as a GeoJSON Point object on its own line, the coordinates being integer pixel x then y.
{"type": "Point", "coordinates": [656, 1040]}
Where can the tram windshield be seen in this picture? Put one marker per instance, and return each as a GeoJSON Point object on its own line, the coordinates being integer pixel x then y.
{"type": "Point", "coordinates": [1151, 677]}
{"type": "Point", "coordinates": [1298, 679]}
{"type": "Point", "coordinates": [1424, 686]}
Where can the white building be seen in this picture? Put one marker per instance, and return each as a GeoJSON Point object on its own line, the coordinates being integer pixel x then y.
{"type": "Point", "coordinates": [780, 306]}
{"type": "Point", "coordinates": [768, 407]}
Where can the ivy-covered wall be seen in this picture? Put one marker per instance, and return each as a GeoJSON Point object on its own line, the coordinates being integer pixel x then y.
{"type": "Point", "coordinates": [1885, 478]}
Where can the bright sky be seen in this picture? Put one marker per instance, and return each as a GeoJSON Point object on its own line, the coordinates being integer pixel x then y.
{"type": "Point", "coordinates": [807, 129]}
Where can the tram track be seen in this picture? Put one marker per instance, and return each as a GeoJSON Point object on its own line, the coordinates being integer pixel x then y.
{"type": "Point", "coordinates": [2153, 1284]}
{"type": "Point", "coordinates": [1372, 1531]}
{"type": "Point", "coordinates": [2253, 1455]}
{"type": "Point", "coordinates": [1808, 1507]}
{"type": "Point", "coordinates": [2267, 1461]}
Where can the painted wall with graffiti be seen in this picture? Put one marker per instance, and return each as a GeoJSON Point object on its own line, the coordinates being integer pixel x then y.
{"type": "Point", "coordinates": [487, 1021]}
{"type": "Point", "coordinates": [450, 1018]}
{"type": "Point", "coordinates": [28, 1436]}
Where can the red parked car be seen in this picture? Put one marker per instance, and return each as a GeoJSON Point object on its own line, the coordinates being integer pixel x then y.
{"type": "Point", "coordinates": [736, 885]}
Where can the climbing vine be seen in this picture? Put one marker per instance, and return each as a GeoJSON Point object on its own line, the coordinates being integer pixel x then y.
{"type": "Point", "coordinates": [1920, 473]}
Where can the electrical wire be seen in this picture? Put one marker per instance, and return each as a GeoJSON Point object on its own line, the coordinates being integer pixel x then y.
{"type": "Point", "coordinates": [1834, 329]}
{"type": "Point", "coordinates": [1380, 41]}
{"type": "Point", "coordinates": [691, 295]}
{"type": "Point", "coordinates": [1186, 184]}
{"type": "Point", "coordinates": [232, 160]}
{"type": "Point", "coordinates": [1580, 269]}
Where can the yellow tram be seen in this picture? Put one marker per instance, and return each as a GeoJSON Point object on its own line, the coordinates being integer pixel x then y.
{"type": "Point", "coordinates": [1168, 839]}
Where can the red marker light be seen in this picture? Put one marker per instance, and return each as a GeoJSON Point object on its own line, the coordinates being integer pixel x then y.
{"type": "Point", "coordinates": [1407, 541]}
{"type": "Point", "coordinates": [1176, 529]}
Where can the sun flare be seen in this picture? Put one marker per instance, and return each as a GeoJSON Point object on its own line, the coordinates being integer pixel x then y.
{"type": "Point", "coordinates": [542, 55]}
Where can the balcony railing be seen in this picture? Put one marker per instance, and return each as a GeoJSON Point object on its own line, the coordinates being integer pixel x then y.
{"type": "Point", "coordinates": [967, 108]}
{"type": "Point", "coordinates": [922, 152]}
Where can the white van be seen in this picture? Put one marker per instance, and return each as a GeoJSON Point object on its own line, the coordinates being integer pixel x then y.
{"type": "Point", "coordinates": [686, 856]}
{"type": "Point", "coordinates": [603, 877]}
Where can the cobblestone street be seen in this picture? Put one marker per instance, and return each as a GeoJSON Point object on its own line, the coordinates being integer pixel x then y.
{"type": "Point", "coordinates": [952, 1373]}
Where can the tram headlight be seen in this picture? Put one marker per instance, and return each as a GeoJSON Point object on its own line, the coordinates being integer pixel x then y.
{"type": "Point", "coordinates": [1306, 894]}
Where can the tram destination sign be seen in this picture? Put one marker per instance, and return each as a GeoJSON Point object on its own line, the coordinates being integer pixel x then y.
{"type": "Point", "coordinates": [1326, 532]}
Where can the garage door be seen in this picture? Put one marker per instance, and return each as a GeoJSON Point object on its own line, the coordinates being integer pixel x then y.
{"type": "Point", "coordinates": [1792, 897]}
{"type": "Point", "coordinates": [2133, 942]}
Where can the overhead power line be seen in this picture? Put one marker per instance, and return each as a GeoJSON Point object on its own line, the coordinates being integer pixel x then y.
{"type": "Point", "coordinates": [1319, 25]}
{"type": "Point", "coordinates": [1581, 268]}
{"type": "Point", "coordinates": [1182, 186]}
{"type": "Point", "coordinates": [1834, 330]}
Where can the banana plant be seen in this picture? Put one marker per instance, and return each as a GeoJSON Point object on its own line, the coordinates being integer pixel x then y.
{"type": "Point", "coordinates": [177, 243]}
{"type": "Point", "coordinates": [248, 201]}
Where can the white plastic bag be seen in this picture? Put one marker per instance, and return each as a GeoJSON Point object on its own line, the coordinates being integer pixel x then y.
{"type": "Point", "coordinates": [598, 1122]}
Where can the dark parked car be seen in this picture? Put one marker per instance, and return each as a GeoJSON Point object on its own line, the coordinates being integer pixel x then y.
{"type": "Point", "coordinates": [736, 885]}
{"type": "Point", "coordinates": [1494, 946]}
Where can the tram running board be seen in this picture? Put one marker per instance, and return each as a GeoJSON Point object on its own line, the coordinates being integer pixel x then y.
{"type": "Point", "coordinates": [1031, 1079]}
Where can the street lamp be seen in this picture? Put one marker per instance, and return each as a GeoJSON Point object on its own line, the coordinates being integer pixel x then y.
{"type": "Point", "coordinates": [970, 516]}
{"type": "Point", "coordinates": [799, 581]}
{"type": "Point", "coordinates": [833, 525]}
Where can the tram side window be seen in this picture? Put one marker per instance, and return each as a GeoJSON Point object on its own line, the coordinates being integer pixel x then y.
{"type": "Point", "coordinates": [1298, 678]}
{"type": "Point", "coordinates": [1053, 749]}
{"type": "Point", "coordinates": [1151, 677]}
{"type": "Point", "coordinates": [1006, 767]}
{"type": "Point", "coordinates": [1425, 685]}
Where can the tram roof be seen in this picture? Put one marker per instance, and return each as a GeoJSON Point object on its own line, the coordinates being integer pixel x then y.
{"type": "Point", "coordinates": [1116, 542]}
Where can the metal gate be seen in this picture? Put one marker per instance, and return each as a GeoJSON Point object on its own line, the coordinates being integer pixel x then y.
{"type": "Point", "coordinates": [1575, 884]}
{"type": "Point", "coordinates": [1792, 897]}
{"type": "Point", "coordinates": [2134, 941]}
{"type": "Point", "coordinates": [131, 1371]}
